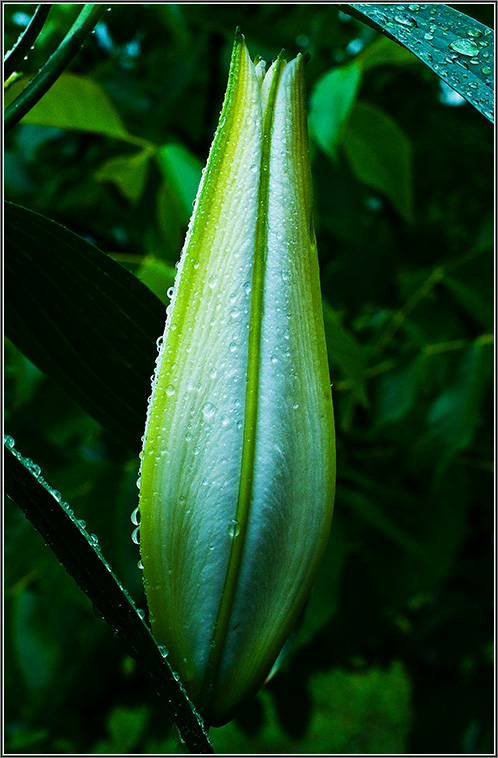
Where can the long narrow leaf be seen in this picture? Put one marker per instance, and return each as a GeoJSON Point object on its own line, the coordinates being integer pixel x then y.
{"type": "Point", "coordinates": [81, 557]}
{"type": "Point", "coordinates": [456, 47]}
{"type": "Point", "coordinates": [82, 319]}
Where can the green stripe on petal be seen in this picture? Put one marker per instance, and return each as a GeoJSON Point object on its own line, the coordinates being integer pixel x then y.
{"type": "Point", "coordinates": [193, 448]}
{"type": "Point", "coordinates": [238, 464]}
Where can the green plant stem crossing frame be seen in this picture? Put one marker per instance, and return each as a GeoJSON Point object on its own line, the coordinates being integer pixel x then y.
{"type": "Point", "coordinates": [79, 554]}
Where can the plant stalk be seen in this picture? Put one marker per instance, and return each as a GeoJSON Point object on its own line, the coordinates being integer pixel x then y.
{"type": "Point", "coordinates": [56, 64]}
{"type": "Point", "coordinates": [26, 40]}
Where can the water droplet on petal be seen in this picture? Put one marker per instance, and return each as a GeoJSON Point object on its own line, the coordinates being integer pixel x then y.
{"type": "Point", "coordinates": [208, 410]}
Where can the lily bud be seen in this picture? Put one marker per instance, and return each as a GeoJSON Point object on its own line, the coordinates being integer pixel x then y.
{"type": "Point", "coordinates": [238, 462]}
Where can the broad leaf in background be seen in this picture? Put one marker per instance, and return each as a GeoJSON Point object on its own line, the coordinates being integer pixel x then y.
{"type": "Point", "coordinates": [182, 171]}
{"type": "Point", "coordinates": [380, 155]}
{"type": "Point", "coordinates": [82, 319]}
{"type": "Point", "coordinates": [334, 94]}
{"type": "Point", "coordinates": [455, 415]}
{"type": "Point", "coordinates": [384, 52]}
{"type": "Point", "coordinates": [331, 102]}
{"type": "Point", "coordinates": [127, 172]}
{"type": "Point", "coordinates": [346, 352]}
{"type": "Point", "coordinates": [75, 102]}
{"type": "Point", "coordinates": [456, 47]}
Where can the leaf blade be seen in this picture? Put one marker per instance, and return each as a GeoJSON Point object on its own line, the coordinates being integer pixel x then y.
{"type": "Point", "coordinates": [445, 40]}
{"type": "Point", "coordinates": [91, 325]}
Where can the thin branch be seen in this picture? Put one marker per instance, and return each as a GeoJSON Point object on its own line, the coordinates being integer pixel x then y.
{"type": "Point", "coordinates": [56, 64]}
{"type": "Point", "coordinates": [26, 40]}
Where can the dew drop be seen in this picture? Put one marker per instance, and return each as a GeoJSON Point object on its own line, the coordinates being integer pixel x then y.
{"type": "Point", "coordinates": [170, 292]}
{"type": "Point", "coordinates": [464, 47]}
{"type": "Point", "coordinates": [170, 390]}
{"type": "Point", "coordinates": [208, 410]}
{"type": "Point", "coordinates": [135, 536]}
{"type": "Point", "coordinates": [233, 528]}
{"type": "Point", "coordinates": [406, 21]}
{"type": "Point", "coordinates": [135, 516]}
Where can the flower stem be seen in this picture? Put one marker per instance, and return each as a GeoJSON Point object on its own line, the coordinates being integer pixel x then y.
{"type": "Point", "coordinates": [55, 65]}
{"type": "Point", "coordinates": [26, 40]}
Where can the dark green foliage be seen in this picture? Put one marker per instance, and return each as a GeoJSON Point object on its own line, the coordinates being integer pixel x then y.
{"type": "Point", "coordinates": [395, 652]}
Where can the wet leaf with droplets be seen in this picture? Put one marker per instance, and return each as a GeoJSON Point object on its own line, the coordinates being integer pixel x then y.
{"type": "Point", "coordinates": [80, 555]}
{"type": "Point", "coordinates": [432, 32]}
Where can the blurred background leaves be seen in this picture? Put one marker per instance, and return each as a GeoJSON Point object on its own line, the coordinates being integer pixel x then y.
{"type": "Point", "coordinates": [396, 649]}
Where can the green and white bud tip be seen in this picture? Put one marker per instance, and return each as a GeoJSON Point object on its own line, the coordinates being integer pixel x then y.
{"type": "Point", "coordinates": [238, 464]}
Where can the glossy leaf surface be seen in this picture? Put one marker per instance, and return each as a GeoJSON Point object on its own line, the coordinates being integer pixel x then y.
{"type": "Point", "coordinates": [81, 318]}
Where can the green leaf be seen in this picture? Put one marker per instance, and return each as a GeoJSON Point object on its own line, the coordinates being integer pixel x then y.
{"type": "Point", "coordinates": [382, 52]}
{"type": "Point", "coordinates": [82, 319]}
{"type": "Point", "coordinates": [125, 726]}
{"type": "Point", "coordinates": [49, 73]}
{"type": "Point", "coordinates": [78, 103]}
{"type": "Point", "coordinates": [182, 171]}
{"type": "Point", "coordinates": [480, 308]}
{"type": "Point", "coordinates": [446, 40]}
{"type": "Point", "coordinates": [157, 276]}
{"type": "Point", "coordinates": [331, 102]}
{"type": "Point", "coordinates": [455, 415]}
{"type": "Point", "coordinates": [332, 718]}
{"type": "Point", "coordinates": [81, 557]}
{"type": "Point", "coordinates": [397, 392]}
{"type": "Point", "coordinates": [127, 172]}
{"type": "Point", "coordinates": [345, 351]}
{"type": "Point", "coordinates": [380, 155]}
